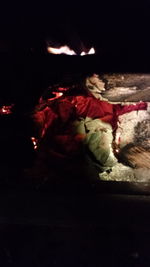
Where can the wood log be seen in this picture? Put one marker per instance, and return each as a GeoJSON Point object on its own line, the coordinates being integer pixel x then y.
{"type": "Point", "coordinates": [127, 87]}
{"type": "Point", "coordinates": [135, 156]}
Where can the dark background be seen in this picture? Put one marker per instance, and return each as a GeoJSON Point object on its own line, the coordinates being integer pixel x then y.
{"type": "Point", "coordinates": [112, 27]}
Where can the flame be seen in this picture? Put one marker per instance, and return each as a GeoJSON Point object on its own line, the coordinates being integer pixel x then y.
{"type": "Point", "coordinates": [83, 54]}
{"type": "Point", "coordinates": [61, 50]}
{"type": "Point", "coordinates": [34, 141]}
{"type": "Point", "coordinates": [91, 51]}
{"type": "Point", "coordinates": [67, 51]}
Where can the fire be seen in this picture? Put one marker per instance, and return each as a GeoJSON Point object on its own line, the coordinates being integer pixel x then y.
{"type": "Point", "coordinates": [5, 110]}
{"type": "Point", "coordinates": [67, 51]}
{"type": "Point", "coordinates": [61, 50]}
{"type": "Point", "coordinates": [34, 141]}
{"type": "Point", "coordinates": [91, 51]}
{"type": "Point", "coordinates": [83, 54]}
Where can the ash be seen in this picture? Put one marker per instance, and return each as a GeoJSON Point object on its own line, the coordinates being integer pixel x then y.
{"type": "Point", "coordinates": [133, 126]}
{"type": "Point", "coordinates": [142, 133]}
{"type": "Point", "coordinates": [119, 172]}
{"type": "Point", "coordinates": [133, 130]}
{"type": "Point", "coordinates": [123, 173]}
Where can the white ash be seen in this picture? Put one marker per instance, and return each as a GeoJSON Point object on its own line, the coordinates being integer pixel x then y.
{"type": "Point", "coordinates": [133, 127]}
{"type": "Point", "coordinates": [119, 172]}
{"type": "Point", "coordinates": [142, 174]}
{"type": "Point", "coordinates": [128, 123]}
{"type": "Point", "coordinates": [142, 133]}
{"type": "Point", "coordinates": [124, 173]}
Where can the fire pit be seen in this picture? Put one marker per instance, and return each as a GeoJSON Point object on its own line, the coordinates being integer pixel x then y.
{"type": "Point", "coordinates": [60, 79]}
{"type": "Point", "coordinates": [125, 92]}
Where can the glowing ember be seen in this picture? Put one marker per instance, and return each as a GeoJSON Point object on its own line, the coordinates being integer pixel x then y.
{"type": "Point", "coordinates": [67, 51]}
{"type": "Point", "coordinates": [118, 137]}
{"type": "Point", "coordinates": [34, 141]}
{"type": "Point", "coordinates": [63, 89]}
{"type": "Point", "coordinates": [5, 110]}
{"type": "Point", "coordinates": [57, 95]}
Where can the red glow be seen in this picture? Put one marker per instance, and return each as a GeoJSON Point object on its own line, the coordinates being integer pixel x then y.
{"type": "Point", "coordinates": [63, 88]}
